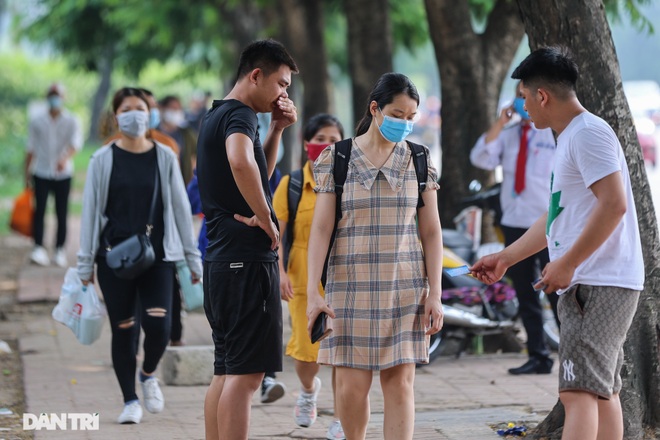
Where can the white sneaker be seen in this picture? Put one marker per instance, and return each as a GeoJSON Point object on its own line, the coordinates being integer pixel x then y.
{"type": "Point", "coordinates": [335, 431]}
{"type": "Point", "coordinates": [60, 258]}
{"type": "Point", "coordinates": [304, 413]}
{"type": "Point", "coordinates": [153, 397]}
{"type": "Point", "coordinates": [40, 256]}
{"type": "Point", "coordinates": [271, 390]}
{"type": "Point", "coordinates": [132, 413]}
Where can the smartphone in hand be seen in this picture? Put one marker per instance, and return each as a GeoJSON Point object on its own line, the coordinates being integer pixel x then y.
{"type": "Point", "coordinates": [320, 330]}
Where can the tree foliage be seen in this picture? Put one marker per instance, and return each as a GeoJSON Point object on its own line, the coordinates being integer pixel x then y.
{"type": "Point", "coordinates": [83, 30]}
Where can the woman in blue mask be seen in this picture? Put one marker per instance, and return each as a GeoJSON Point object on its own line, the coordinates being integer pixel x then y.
{"type": "Point", "coordinates": [383, 286]}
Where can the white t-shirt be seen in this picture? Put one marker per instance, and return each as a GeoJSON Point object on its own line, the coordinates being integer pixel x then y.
{"type": "Point", "coordinates": [519, 210]}
{"type": "Point", "coordinates": [587, 151]}
{"type": "Point", "coordinates": [49, 139]}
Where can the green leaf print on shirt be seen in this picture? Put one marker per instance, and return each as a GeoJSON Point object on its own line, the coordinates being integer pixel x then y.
{"type": "Point", "coordinates": [555, 209]}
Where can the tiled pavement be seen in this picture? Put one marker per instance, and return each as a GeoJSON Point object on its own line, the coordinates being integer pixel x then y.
{"type": "Point", "coordinates": [454, 398]}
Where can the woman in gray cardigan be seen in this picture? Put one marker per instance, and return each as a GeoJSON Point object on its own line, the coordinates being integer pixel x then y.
{"type": "Point", "coordinates": [117, 204]}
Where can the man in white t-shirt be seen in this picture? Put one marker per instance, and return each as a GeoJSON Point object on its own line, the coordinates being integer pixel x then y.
{"type": "Point", "coordinates": [592, 235]}
{"type": "Point", "coordinates": [526, 154]}
{"type": "Point", "coordinates": [54, 136]}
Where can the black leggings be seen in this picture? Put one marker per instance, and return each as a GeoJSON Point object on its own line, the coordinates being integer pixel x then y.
{"type": "Point", "coordinates": [154, 291]}
{"type": "Point", "coordinates": [177, 326]}
{"type": "Point", "coordinates": [42, 187]}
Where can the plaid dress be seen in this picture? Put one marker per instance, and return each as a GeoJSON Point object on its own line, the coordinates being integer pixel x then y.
{"type": "Point", "coordinates": [377, 281]}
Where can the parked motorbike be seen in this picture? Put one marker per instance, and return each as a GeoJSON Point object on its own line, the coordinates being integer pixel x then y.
{"type": "Point", "coordinates": [471, 307]}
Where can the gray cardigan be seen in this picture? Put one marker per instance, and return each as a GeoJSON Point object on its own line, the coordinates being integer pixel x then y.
{"type": "Point", "coordinates": [179, 241]}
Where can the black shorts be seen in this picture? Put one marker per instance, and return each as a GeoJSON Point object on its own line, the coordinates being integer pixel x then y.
{"type": "Point", "coordinates": [243, 306]}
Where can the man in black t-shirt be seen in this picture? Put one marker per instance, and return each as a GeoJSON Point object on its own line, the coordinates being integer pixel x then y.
{"type": "Point", "coordinates": [241, 275]}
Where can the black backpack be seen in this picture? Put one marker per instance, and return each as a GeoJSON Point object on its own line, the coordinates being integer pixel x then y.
{"type": "Point", "coordinates": [340, 171]}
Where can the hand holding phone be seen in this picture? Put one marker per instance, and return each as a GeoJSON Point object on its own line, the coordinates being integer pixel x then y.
{"type": "Point", "coordinates": [320, 329]}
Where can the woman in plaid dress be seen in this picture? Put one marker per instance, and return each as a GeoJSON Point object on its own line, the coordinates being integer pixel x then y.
{"type": "Point", "coordinates": [383, 287]}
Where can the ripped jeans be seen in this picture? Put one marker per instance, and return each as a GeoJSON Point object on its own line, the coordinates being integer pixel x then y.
{"type": "Point", "coordinates": [149, 298]}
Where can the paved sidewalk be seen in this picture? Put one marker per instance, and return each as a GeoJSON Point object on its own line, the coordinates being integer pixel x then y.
{"type": "Point", "coordinates": [455, 398]}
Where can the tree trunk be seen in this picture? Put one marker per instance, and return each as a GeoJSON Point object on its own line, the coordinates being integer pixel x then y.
{"type": "Point", "coordinates": [583, 28]}
{"type": "Point", "coordinates": [369, 48]}
{"type": "Point", "coordinates": [246, 20]}
{"type": "Point", "coordinates": [302, 34]}
{"type": "Point", "coordinates": [3, 11]}
{"type": "Point", "coordinates": [472, 69]}
{"type": "Point", "coordinates": [104, 66]}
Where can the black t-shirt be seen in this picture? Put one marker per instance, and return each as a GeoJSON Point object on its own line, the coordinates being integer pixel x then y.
{"type": "Point", "coordinates": [229, 239]}
{"type": "Point", "coordinates": [129, 199]}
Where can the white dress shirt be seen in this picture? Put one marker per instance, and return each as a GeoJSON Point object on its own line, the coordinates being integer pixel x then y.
{"type": "Point", "coordinates": [49, 139]}
{"type": "Point", "coordinates": [519, 210]}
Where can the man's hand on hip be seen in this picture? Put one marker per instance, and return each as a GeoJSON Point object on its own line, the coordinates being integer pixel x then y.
{"type": "Point", "coordinates": [267, 225]}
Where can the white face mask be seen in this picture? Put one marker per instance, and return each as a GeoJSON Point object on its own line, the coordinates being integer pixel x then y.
{"type": "Point", "coordinates": [134, 123]}
{"type": "Point", "coordinates": [174, 117]}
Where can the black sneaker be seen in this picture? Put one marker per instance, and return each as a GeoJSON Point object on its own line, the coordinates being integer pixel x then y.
{"type": "Point", "coordinates": [534, 366]}
{"type": "Point", "coordinates": [271, 390]}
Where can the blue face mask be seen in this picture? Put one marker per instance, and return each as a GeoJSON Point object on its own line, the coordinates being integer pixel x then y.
{"type": "Point", "coordinates": [395, 129]}
{"type": "Point", "coordinates": [55, 102]}
{"type": "Point", "coordinates": [518, 106]}
{"type": "Point", "coordinates": [154, 118]}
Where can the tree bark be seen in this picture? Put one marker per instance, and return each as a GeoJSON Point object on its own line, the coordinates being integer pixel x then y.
{"type": "Point", "coordinates": [302, 33]}
{"type": "Point", "coordinates": [246, 21]}
{"type": "Point", "coordinates": [105, 65]}
{"type": "Point", "coordinates": [3, 11]}
{"type": "Point", "coordinates": [370, 47]}
{"type": "Point", "coordinates": [582, 27]}
{"type": "Point", "coordinates": [472, 69]}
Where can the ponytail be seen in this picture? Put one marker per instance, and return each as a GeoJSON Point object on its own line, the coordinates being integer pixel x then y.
{"type": "Point", "coordinates": [364, 123]}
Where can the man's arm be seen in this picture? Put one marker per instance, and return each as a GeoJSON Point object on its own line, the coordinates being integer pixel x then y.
{"type": "Point", "coordinates": [494, 131]}
{"type": "Point", "coordinates": [611, 205]}
{"type": "Point", "coordinates": [271, 146]}
{"type": "Point", "coordinates": [284, 114]}
{"type": "Point", "coordinates": [244, 168]}
{"type": "Point", "coordinates": [29, 151]}
{"type": "Point", "coordinates": [75, 145]}
{"type": "Point", "coordinates": [28, 162]}
{"type": "Point", "coordinates": [491, 268]}
{"type": "Point", "coordinates": [487, 153]}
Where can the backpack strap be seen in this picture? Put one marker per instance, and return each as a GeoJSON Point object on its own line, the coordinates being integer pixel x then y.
{"type": "Point", "coordinates": [339, 173]}
{"type": "Point", "coordinates": [420, 161]}
{"type": "Point", "coordinates": [294, 194]}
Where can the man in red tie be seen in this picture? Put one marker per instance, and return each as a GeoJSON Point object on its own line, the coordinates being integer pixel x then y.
{"type": "Point", "coordinates": [526, 155]}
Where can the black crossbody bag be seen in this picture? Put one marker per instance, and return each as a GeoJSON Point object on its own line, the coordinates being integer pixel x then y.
{"type": "Point", "coordinates": [133, 256]}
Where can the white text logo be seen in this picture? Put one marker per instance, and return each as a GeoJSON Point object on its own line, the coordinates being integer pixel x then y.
{"type": "Point", "coordinates": [568, 365]}
{"type": "Point", "coordinates": [64, 421]}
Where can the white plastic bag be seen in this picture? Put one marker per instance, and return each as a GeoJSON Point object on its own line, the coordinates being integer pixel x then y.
{"type": "Point", "coordinates": [79, 308]}
{"type": "Point", "coordinates": [192, 294]}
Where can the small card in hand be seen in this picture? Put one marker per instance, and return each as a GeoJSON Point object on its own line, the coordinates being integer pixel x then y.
{"type": "Point", "coordinates": [320, 330]}
{"type": "Point", "coordinates": [457, 271]}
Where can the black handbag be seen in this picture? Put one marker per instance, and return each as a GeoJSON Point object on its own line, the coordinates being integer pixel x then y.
{"type": "Point", "coordinates": [133, 256]}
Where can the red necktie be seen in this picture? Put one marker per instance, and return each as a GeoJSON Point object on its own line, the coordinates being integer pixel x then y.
{"type": "Point", "coordinates": [521, 163]}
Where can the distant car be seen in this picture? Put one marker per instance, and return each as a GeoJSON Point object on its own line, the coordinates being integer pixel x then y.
{"type": "Point", "coordinates": [644, 99]}
{"type": "Point", "coordinates": [648, 148]}
{"type": "Point", "coordinates": [646, 136]}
